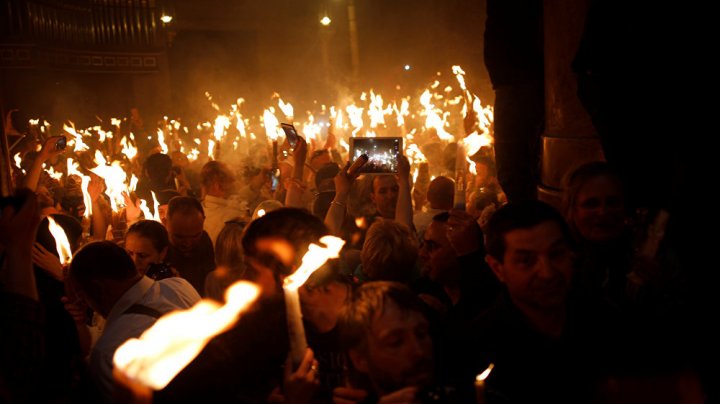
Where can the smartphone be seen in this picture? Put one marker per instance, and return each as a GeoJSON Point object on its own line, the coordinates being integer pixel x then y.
{"type": "Point", "coordinates": [159, 271]}
{"type": "Point", "coordinates": [61, 143]}
{"type": "Point", "coordinates": [382, 153]}
{"type": "Point", "coordinates": [290, 133]}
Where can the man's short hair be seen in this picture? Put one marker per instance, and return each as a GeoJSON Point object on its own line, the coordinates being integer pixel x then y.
{"type": "Point", "coordinates": [216, 172]}
{"type": "Point", "coordinates": [441, 193]}
{"type": "Point", "coordinates": [101, 260]}
{"type": "Point", "coordinates": [158, 166]}
{"type": "Point", "coordinates": [367, 304]}
{"type": "Point", "coordinates": [515, 216]}
{"type": "Point", "coordinates": [297, 226]}
{"type": "Point", "coordinates": [184, 205]}
{"type": "Point", "coordinates": [389, 252]}
{"type": "Point", "coordinates": [153, 231]}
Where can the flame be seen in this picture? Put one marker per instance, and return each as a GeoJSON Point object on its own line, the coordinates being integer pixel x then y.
{"type": "Point", "coordinates": [484, 375]}
{"type": "Point", "coordinates": [156, 208]}
{"type": "Point", "coordinates": [193, 155]}
{"type": "Point", "coordinates": [402, 112]}
{"type": "Point", "coordinates": [355, 115]}
{"type": "Point", "coordinates": [61, 241]}
{"type": "Point", "coordinates": [164, 349]}
{"type": "Point", "coordinates": [145, 210]}
{"type": "Point", "coordinates": [475, 141]}
{"type": "Point", "coordinates": [432, 119]}
{"type": "Point", "coordinates": [211, 148]}
{"type": "Point", "coordinates": [54, 174]}
{"type": "Point", "coordinates": [86, 196]}
{"type": "Point", "coordinates": [18, 160]}
{"type": "Point", "coordinates": [460, 75]}
{"type": "Point", "coordinates": [101, 134]}
{"type": "Point", "coordinates": [360, 222]}
{"type": "Point", "coordinates": [376, 111]}
{"type": "Point", "coordinates": [115, 122]}
{"type": "Point", "coordinates": [315, 257]}
{"type": "Point", "coordinates": [222, 122]}
{"type": "Point", "coordinates": [128, 150]}
{"type": "Point", "coordinates": [271, 124]}
{"type": "Point", "coordinates": [286, 108]}
{"type": "Point", "coordinates": [344, 144]}
{"type": "Point", "coordinates": [212, 104]}
{"type": "Point", "coordinates": [336, 115]}
{"type": "Point", "coordinates": [414, 154]}
{"type": "Point", "coordinates": [161, 141]}
{"type": "Point", "coordinates": [310, 129]}
{"type": "Point", "coordinates": [133, 184]}
{"type": "Point", "coordinates": [79, 144]}
{"type": "Point", "coordinates": [239, 122]}
{"type": "Point", "coordinates": [114, 177]}
{"type": "Point", "coordinates": [74, 169]}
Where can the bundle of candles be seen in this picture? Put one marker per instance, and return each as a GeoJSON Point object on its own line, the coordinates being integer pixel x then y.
{"type": "Point", "coordinates": [163, 350]}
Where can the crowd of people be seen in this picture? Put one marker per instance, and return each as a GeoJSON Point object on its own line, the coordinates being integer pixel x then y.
{"type": "Point", "coordinates": [580, 304]}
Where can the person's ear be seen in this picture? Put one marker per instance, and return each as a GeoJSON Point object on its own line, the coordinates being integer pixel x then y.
{"type": "Point", "coordinates": [496, 266]}
{"type": "Point", "coordinates": [359, 361]}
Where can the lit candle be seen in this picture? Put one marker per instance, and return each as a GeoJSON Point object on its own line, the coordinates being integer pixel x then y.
{"type": "Point", "coordinates": [61, 241]}
{"type": "Point", "coordinates": [164, 349]}
{"type": "Point", "coordinates": [480, 384]}
{"type": "Point", "coordinates": [315, 257]}
{"type": "Point", "coordinates": [296, 330]}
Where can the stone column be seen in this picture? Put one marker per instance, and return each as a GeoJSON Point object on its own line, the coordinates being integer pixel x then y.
{"type": "Point", "coordinates": [569, 139]}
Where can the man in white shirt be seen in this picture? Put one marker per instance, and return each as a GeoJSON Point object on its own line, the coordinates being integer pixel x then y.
{"type": "Point", "coordinates": [219, 204]}
{"type": "Point", "coordinates": [104, 276]}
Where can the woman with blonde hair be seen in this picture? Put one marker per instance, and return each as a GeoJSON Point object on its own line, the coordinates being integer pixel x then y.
{"type": "Point", "coordinates": [228, 258]}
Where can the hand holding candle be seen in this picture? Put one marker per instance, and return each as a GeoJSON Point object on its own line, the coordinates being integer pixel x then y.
{"type": "Point", "coordinates": [480, 384]}
{"type": "Point", "coordinates": [177, 338]}
{"type": "Point", "coordinates": [315, 257]}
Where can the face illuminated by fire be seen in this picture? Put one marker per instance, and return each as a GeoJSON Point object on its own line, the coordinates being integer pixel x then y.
{"type": "Point", "coordinates": [599, 211]}
{"type": "Point", "coordinates": [537, 266]}
{"type": "Point", "coordinates": [399, 350]}
{"type": "Point", "coordinates": [384, 195]}
{"type": "Point", "coordinates": [142, 252]}
{"type": "Point", "coordinates": [186, 230]}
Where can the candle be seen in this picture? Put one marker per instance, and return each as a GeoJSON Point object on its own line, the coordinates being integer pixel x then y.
{"type": "Point", "coordinates": [460, 169]}
{"type": "Point", "coordinates": [315, 257]}
{"type": "Point", "coordinates": [61, 241]}
{"type": "Point", "coordinates": [480, 384]}
{"type": "Point", "coordinates": [164, 349]}
{"type": "Point", "coordinates": [296, 330]}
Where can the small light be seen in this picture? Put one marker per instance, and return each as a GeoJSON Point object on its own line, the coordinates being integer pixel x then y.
{"type": "Point", "coordinates": [261, 212]}
{"type": "Point", "coordinates": [166, 19]}
{"type": "Point", "coordinates": [325, 21]}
